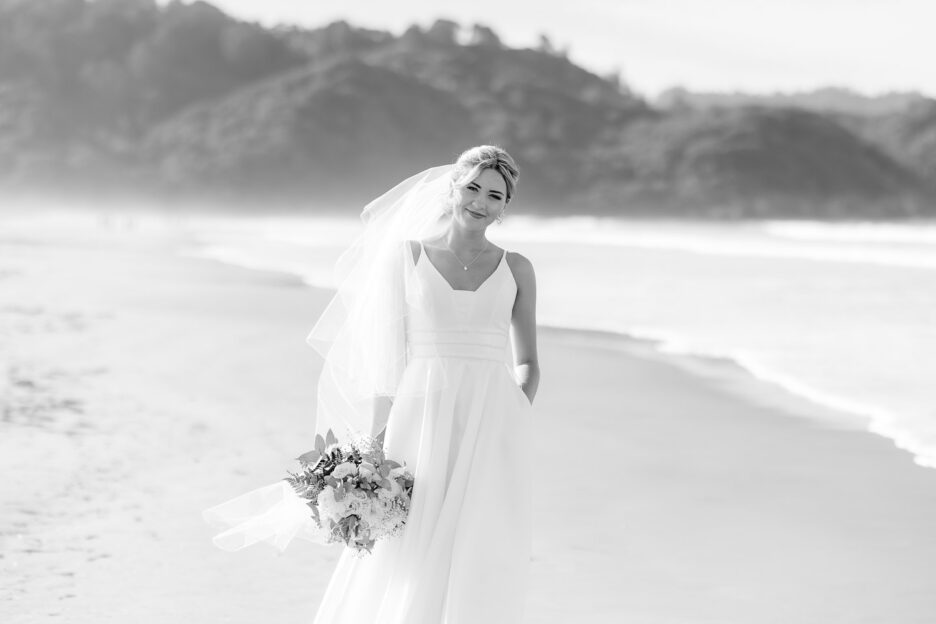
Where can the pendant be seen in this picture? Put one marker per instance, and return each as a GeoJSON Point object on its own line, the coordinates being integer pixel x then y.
{"type": "Point", "coordinates": [466, 268]}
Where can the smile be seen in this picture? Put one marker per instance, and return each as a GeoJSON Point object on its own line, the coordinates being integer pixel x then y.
{"type": "Point", "coordinates": [474, 214]}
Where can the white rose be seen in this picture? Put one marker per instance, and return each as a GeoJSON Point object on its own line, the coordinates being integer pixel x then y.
{"type": "Point", "coordinates": [369, 472]}
{"type": "Point", "coordinates": [352, 505]}
{"type": "Point", "coordinates": [344, 469]}
{"type": "Point", "coordinates": [327, 506]}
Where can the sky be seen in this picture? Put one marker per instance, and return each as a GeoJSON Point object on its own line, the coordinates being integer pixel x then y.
{"type": "Point", "coordinates": [756, 46]}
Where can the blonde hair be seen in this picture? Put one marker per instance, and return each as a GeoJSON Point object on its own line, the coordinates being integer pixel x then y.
{"type": "Point", "coordinates": [473, 161]}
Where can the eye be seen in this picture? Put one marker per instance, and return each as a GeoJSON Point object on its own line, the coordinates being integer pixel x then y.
{"type": "Point", "coordinates": [473, 188]}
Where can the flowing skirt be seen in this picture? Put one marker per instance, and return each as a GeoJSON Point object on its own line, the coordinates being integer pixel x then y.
{"type": "Point", "coordinates": [464, 555]}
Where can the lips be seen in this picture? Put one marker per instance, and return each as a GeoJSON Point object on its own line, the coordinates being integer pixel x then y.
{"type": "Point", "coordinates": [476, 215]}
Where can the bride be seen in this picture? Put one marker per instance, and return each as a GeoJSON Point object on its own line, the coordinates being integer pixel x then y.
{"type": "Point", "coordinates": [430, 346]}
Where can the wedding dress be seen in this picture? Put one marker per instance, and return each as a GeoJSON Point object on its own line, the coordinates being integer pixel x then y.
{"type": "Point", "coordinates": [464, 554]}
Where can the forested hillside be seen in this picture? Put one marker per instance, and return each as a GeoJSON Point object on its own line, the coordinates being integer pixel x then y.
{"type": "Point", "coordinates": [183, 101]}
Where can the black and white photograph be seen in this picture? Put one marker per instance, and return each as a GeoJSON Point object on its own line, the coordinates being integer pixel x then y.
{"type": "Point", "coordinates": [467, 313]}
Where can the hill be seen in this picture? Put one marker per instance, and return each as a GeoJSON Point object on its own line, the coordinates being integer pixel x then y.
{"type": "Point", "coordinates": [183, 101]}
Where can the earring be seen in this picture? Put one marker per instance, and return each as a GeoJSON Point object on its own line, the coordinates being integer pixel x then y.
{"type": "Point", "coordinates": [500, 217]}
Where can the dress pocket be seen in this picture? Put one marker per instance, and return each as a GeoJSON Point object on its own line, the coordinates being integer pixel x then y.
{"type": "Point", "coordinates": [515, 388]}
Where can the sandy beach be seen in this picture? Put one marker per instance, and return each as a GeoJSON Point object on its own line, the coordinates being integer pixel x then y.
{"type": "Point", "coordinates": [139, 386]}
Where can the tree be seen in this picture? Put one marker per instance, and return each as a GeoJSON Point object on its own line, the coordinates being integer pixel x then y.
{"type": "Point", "coordinates": [483, 36]}
{"type": "Point", "coordinates": [443, 31]}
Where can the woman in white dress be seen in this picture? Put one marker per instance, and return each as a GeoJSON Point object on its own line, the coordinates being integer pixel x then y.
{"type": "Point", "coordinates": [464, 555]}
{"type": "Point", "coordinates": [419, 355]}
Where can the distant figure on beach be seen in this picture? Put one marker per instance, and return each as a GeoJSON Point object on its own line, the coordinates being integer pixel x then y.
{"type": "Point", "coordinates": [459, 419]}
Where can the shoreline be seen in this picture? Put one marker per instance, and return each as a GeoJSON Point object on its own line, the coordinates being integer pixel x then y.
{"type": "Point", "coordinates": [821, 409]}
{"type": "Point", "coordinates": [163, 384]}
{"type": "Point", "coordinates": [751, 380]}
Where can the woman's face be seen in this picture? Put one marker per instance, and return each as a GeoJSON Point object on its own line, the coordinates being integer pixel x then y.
{"type": "Point", "coordinates": [481, 201]}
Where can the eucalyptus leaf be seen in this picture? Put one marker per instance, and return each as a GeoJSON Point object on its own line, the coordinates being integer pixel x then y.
{"type": "Point", "coordinates": [319, 443]}
{"type": "Point", "coordinates": [311, 458]}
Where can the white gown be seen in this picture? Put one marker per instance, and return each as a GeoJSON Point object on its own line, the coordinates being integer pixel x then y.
{"type": "Point", "coordinates": [464, 555]}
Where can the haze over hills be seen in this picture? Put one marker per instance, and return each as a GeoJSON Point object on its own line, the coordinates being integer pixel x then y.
{"type": "Point", "coordinates": [183, 101]}
{"type": "Point", "coordinates": [825, 100]}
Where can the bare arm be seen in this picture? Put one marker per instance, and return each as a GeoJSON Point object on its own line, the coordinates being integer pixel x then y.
{"type": "Point", "coordinates": [523, 321]}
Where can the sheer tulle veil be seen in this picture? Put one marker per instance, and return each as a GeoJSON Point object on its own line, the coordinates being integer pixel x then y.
{"type": "Point", "coordinates": [362, 336]}
{"type": "Point", "coordinates": [361, 333]}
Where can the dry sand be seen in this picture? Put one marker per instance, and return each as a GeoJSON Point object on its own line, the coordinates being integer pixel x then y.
{"type": "Point", "coordinates": [139, 387]}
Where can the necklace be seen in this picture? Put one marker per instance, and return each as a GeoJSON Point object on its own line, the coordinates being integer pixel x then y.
{"type": "Point", "coordinates": [465, 266]}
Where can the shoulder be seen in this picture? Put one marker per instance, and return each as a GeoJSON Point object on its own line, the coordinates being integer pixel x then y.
{"type": "Point", "coordinates": [521, 267]}
{"type": "Point", "coordinates": [519, 262]}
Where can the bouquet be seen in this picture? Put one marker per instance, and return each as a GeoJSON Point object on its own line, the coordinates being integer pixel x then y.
{"type": "Point", "coordinates": [356, 494]}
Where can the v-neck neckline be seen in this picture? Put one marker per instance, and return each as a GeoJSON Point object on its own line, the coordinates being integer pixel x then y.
{"type": "Point", "coordinates": [452, 288]}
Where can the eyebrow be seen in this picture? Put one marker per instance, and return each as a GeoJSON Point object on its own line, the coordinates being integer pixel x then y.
{"type": "Point", "coordinates": [491, 191]}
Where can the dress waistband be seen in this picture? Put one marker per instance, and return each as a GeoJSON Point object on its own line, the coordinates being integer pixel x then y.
{"type": "Point", "coordinates": [457, 343]}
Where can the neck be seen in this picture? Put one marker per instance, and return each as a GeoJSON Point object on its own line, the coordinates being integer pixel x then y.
{"type": "Point", "coordinates": [468, 240]}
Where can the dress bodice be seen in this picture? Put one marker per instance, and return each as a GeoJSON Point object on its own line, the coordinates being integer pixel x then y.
{"type": "Point", "coordinates": [445, 322]}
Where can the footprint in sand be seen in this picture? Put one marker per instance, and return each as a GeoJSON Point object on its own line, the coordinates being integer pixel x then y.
{"type": "Point", "coordinates": [41, 398]}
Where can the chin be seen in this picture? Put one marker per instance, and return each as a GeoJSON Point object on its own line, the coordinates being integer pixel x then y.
{"type": "Point", "coordinates": [475, 225]}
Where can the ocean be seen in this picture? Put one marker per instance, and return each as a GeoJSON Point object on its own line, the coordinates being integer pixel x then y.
{"type": "Point", "coordinates": [842, 314]}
